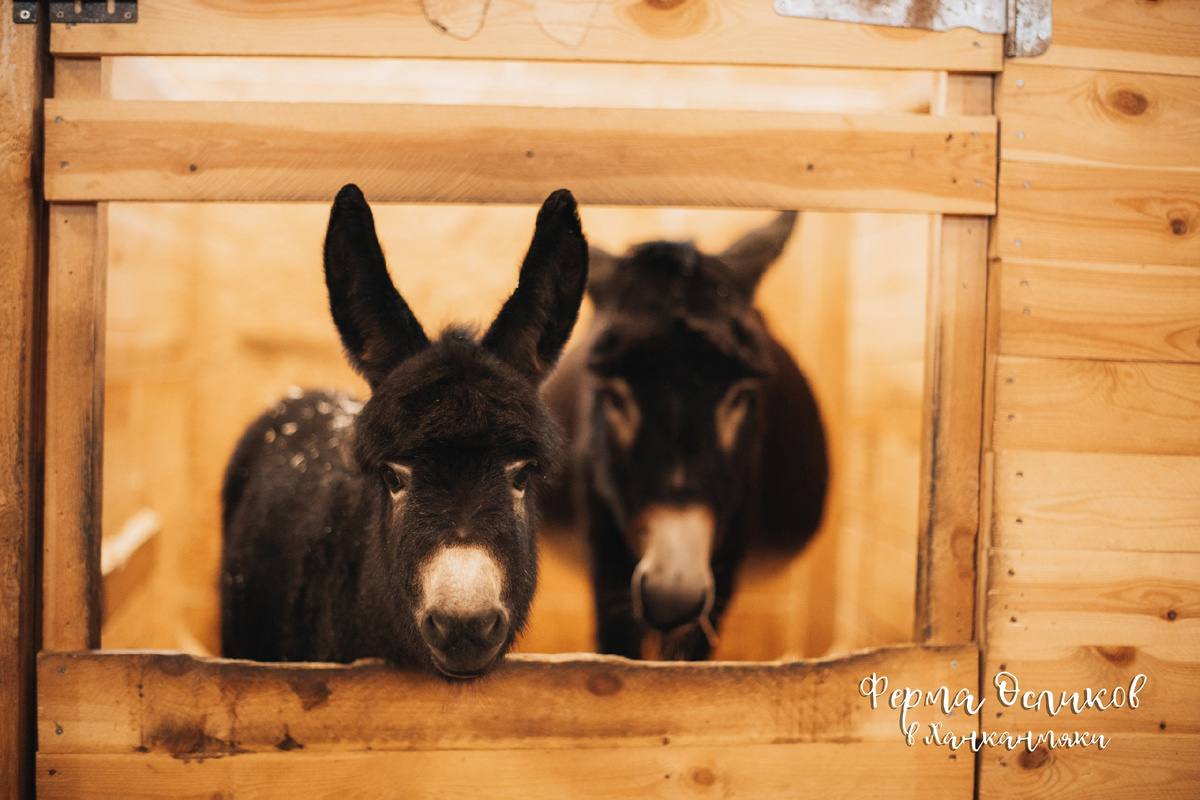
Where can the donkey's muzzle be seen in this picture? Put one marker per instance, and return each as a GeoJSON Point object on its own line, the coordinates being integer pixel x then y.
{"type": "Point", "coordinates": [464, 645]}
{"type": "Point", "coordinates": [462, 618]}
{"type": "Point", "coordinates": [672, 584]}
{"type": "Point", "coordinates": [668, 604]}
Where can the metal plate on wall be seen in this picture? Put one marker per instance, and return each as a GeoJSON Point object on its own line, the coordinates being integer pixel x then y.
{"type": "Point", "coordinates": [1026, 23]}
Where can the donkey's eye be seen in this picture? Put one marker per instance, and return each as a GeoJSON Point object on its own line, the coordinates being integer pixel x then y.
{"type": "Point", "coordinates": [395, 477]}
{"type": "Point", "coordinates": [521, 477]}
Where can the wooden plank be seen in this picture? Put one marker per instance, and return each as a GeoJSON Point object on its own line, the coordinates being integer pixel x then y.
{"type": "Point", "coordinates": [699, 31]}
{"type": "Point", "coordinates": [764, 771]}
{"type": "Point", "coordinates": [553, 84]}
{"type": "Point", "coordinates": [1099, 117]}
{"type": "Point", "coordinates": [1094, 501]}
{"type": "Point", "coordinates": [1097, 406]}
{"type": "Point", "coordinates": [1111, 599]}
{"type": "Point", "coordinates": [1157, 36]}
{"type": "Point", "coordinates": [74, 431]}
{"type": "Point", "coordinates": [108, 702]}
{"type": "Point", "coordinates": [77, 284]}
{"type": "Point", "coordinates": [951, 430]}
{"type": "Point", "coordinates": [1166, 699]}
{"type": "Point", "coordinates": [1154, 767]}
{"type": "Point", "coordinates": [1073, 213]}
{"type": "Point", "coordinates": [22, 310]}
{"type": "Point", "coordinates": [165, 151]}
{"type": "Point", "coordinates": [956, 306]}
{"type": "Point", "coordinates": [1109, 311]}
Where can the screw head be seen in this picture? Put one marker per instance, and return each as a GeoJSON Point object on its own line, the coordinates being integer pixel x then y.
{"type": "Point", "coordinates": [1020, 84]}
{"type": "Point", "coordinates": [23, 13]}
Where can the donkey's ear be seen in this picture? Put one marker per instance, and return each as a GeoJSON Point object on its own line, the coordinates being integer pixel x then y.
{"type": "Point", "coordinates": [535, 322]}
{"type": "Point", "coordinates": [377, 327]}
{"type": "Point", "coordinates": [602, 273]}
{"type": "Point", "coordinates": [749, 257]}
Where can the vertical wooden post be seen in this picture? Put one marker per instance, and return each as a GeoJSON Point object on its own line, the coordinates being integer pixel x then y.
{"type": "Point", "coordinates": [952, 426]}
{"type": "Point", "coordinates": [74, 401]}
{"type": "Point", "coordinates": [22, 296]}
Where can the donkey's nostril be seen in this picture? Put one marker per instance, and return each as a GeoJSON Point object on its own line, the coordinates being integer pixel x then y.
{"type": "Point", "coordinates": [436, 625]}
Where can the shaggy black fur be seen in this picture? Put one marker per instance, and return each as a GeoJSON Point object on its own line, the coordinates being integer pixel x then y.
{"type": "Point", "coordinates": [678, 326]}
{"type": "Point", "coordinates": [319, 563]}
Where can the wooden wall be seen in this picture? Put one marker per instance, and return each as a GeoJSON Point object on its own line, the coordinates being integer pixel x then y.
{"type": "Point", "coordinates": [1093, 548]}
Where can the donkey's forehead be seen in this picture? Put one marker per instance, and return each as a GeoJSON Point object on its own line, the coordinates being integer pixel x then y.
{"type": "Point", "coordinates": [729, 345]}
{"type": "Point", "coordinates": [673, 275]}
{"type": "Point", "coordinates": [454, 400]}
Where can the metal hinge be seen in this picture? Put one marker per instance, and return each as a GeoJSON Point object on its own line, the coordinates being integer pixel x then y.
{"type": "Point", "coordinates": [1025, 23]}
{"type": "Point", "coordinates": [89, 11]}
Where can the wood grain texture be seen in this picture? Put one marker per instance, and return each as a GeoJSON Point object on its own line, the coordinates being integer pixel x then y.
{"type": "Point", "coordinates": [1094, 501]}
{"type": "Point", "coordinates": [180, 705]}
{"type": "Point", "coordinates": [1077, 213]}
{"type": "Point", "coordinates": [1141, 36]}
{"type": "Point", "coordinates": [235, 151]}
{"type": "Point", "coordinates": [1091, 598]}
{"type": "Point", "coordinates": [1097, 406]}
{"type": "Point", "coordinates": [762, 771]}
{"type": "Point", "coordinates": [951, 430]}
{"type": "Point", "coordinates": [1099, 117]}
{"type": "Point", "coordinates": [696, 31]}
{"type": "Point", "coordinates": [1143, 766]}
{"type": "Point", "coordinates": [1166, 701]}
{"type": "Point", "coordinates": [22, 309]}
{"type": "Point", "coordinates": [74, 427]}
{"type": "Point", "coordinates": [1107, 311]}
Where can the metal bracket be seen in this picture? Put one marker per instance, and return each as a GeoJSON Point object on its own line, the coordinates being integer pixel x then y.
{"type": "Point", "coordinates": [1025, 23]}
{"type": "Point", "coordinates": [90, 11]}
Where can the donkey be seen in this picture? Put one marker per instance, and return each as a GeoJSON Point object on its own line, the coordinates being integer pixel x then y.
{"type": "Point", "coordinates": [695, 437]}
{"type": "Point", "coordinates": [403, 527]}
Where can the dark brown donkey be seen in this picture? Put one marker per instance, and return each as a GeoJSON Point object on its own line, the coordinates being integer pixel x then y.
{"type": "Point", "coordinates": [403, 528]}
{"type": "Point", "coordinates": [695, 437]}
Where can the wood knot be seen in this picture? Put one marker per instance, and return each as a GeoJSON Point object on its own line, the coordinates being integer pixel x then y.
{"type": "Point", "coordinates": [1179, 227]}
{"type": "Point", "coordinates": [1118, 656]}
{"type": "Point", "coordinates": [1127, 102]}
{"type": "Point", "coordinates": [1036, 758]}
{"type": "Point", "coordinates": [703, 776]}
{"type": "Point", "coordinates": [604, 684]}
{"type": "Point", "coordinates": [670, 19]}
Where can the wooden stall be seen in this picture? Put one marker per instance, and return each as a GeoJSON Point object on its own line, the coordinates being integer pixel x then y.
{"type": "Point", "coordinates": [1054, 348]}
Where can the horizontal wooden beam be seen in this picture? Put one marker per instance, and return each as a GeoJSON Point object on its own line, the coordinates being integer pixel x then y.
{"type": "Point", "coordinates": [1084, 213]}
{"type": "Point", "coordinates": [168, 151]}
{"type": "Point", "coordinates": [1099, 117]}
{"type": "Point", "coordinates": [696, 31]}
{"type": "Point", "coordinates": [1095, 310]}
{"type": "Point", "coordinates": [1161, 37]}
{"type": "Point", "coordinates": [1091, 598]}
{"type": "Point", "coordinates": [784, 771]}
{"type": "Point", "coordinates": [1143, 766]}
{"type": "Point", "coordinates": [1087, 406]}
{"type": "Point", "coordinates": [173, 704]}
{"type": "Point", "coordinates": [1166, 702]}
{"type": "Point", "coordinates": [1096, 501]}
